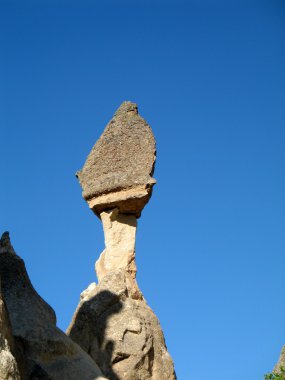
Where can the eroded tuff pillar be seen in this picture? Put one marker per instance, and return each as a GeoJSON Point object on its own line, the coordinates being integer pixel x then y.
{"type": "Point", "coordinates": [120, 239]}
{"type": "Point", "coordinates": [113, 322]}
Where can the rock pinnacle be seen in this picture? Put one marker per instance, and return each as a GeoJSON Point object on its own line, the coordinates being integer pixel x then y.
{"type": "Point", "coordinates": [118, 171]}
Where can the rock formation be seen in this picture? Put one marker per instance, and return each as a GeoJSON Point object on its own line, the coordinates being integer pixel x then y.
{"type": "Point", "coordinates": [43, 352]}
{"type": "Point", "coordinates": [113, 322]}
{"type": "Point", "coordinates": [118, 171]}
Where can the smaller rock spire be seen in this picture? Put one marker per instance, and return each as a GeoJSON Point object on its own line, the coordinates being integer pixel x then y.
{"type": "Point", "coordinates": [5, 243]}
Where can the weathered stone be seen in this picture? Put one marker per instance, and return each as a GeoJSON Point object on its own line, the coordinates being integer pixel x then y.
{"type": "Point", "coordinates": [8, 365]}
{"type": "Point", "coordinates": [120, 237]}
{"type": "Point", "coordinates": [118, 171]}
{"type": "Point", "coordinates": [46, 352]}
{"type": "Point", "coordinates": [113, 322]}
{"type": "Point", "coordinates": [120, 332]}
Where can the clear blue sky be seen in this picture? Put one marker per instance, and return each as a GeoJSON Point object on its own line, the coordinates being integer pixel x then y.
{"type": "Point", "coordinates": [209, 77]}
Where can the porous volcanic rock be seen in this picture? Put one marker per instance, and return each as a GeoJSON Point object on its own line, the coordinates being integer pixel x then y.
{"type": "Point", "coordinates": [44, 352]}
{"type": "Point", "coordinates": [118, 171]}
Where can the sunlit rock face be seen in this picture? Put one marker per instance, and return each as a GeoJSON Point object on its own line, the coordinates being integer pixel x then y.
{"type": "Point", "coordinates": [118, 171]}
{"type": "Point", "coordinates": [120, 236]}
{"type": "Point", "coordinates": [113, 322]}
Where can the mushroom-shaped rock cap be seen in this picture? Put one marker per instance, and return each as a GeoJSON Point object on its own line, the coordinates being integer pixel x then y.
{"type": "Point", "coordinates": [118, 171]}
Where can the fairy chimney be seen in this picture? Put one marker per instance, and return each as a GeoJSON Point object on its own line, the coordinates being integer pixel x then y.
{"type": "Point", "coordinates": [113, 322]}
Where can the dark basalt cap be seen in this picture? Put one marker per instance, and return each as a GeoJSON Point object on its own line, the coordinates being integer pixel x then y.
{"type": "Point", "coordinates": [118, 171]}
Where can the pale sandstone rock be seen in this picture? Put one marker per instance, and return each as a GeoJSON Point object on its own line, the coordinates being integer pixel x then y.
{"type": "Point", "coordinates": [120, 237]}
{"type": "Point", "coordinates": [43, 351]}
{"type": "Point", "coordinates": [86, 293]}
{"type": "Point", "coordinates": [120, 332]}
{"type": "Point", "coordinates": [118, 171]}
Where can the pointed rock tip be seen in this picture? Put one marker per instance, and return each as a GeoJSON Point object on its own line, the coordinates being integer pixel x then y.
{"type": "Point", "coordinates": [127, 107]}
{"type": "Point", "coordinates": [5, 236]}
{"type": "Point", "coordinates": [118, 171]}
{"type": "Point", "coordinates": [5, 242]}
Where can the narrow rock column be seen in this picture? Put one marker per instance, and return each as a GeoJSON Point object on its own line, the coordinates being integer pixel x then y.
{"type": "Point", "coordinates": [120, 237]}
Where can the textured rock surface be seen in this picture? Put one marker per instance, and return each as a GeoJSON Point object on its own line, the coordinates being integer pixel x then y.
{"type": "Point", "coordinates": [43, 351]}
{"type": "Point", "coordinates": [113, 328]}
{"type": "Point", "coordinates": [8, 365]}
{"type": "Point", "coordinates": [120, 236]}
{"type": "Point", "coordinates": [118, 170]}
{"type": "Point", "coordinates": [113, 322]}
{"type": "Point", "coordinates": [120, 332]}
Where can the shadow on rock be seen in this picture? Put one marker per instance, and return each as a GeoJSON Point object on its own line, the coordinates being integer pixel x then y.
{"type": "Point", "coordinates": [89, 326]}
